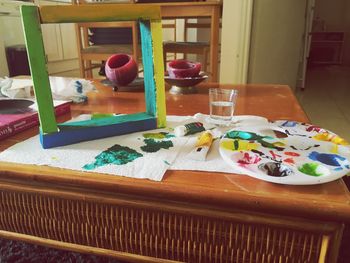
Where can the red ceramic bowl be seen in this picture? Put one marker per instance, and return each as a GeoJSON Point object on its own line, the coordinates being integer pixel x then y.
{"type": "Point", "coordinates": [181, 68]}
{"type": "Point", "coordinates": [121, 69]}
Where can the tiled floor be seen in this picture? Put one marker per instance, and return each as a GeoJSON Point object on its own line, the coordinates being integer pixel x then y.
{"type": "Point", "coordinates": [326, 98]}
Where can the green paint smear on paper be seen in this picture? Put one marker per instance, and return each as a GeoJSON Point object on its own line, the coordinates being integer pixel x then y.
{"type": "Point", "coordinates": [310, 169]}
{"type": "Point", "coordinates": [116, 154]}
{"type": "Point", "coordinates": [154, 146]}
{"type": "Point", "coordinates": [158, 135]}
{"type": "Point", "coordinates": [95, 116]}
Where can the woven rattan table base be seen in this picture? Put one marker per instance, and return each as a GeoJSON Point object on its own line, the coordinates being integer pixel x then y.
{"type": "Point", "coordinates": [157, 232]}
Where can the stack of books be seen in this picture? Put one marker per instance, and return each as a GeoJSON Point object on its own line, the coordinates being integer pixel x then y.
{"type": "Point", "coordinates": [21, 119]}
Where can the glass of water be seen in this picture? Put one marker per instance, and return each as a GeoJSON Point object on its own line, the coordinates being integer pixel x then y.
{"type": "Point", "coordinates": [222, 105]}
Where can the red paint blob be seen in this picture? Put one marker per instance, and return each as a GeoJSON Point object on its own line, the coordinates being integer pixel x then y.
{"type": "Point", "coordinates": [291, 153]}
{"type": "Point", "coordinates": [289, 160]}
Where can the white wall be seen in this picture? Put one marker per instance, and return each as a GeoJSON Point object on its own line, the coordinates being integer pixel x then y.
{"type": "Point", "coordinates": [11, 32]}
{"type": "Point", "coordinates": [3, 63]}
{"type": "Point", "coordinates": [332, 12]}
{"type": "Point", "coordinates": [346, 57]}
{"type": "Point", "coordinates": [276, 43]}
{"type": "Point", "coordinates": [235, 40]}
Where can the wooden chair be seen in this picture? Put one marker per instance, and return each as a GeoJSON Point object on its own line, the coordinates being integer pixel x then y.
{"type": "Point", "coordinates": [187, 47]}
{"type": "Point", "coordinates": [91, 54]}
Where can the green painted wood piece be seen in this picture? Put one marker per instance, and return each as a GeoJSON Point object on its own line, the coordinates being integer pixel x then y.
{"type": "Point", "coordinates": [109, 120]}
{"type": "Point", "coordinates": [148, 70]}
{"type": "Point", "coordinates": [36, 54]}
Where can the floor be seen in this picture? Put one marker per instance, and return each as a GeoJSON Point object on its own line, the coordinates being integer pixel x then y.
{"type": "Point", "coordinates": [326, 98]}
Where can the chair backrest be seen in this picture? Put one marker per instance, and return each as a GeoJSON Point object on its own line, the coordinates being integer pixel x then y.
{"type": "Point", "coordinates": [102, 34]}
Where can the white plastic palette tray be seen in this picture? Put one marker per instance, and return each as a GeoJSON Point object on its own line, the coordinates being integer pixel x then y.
{"type": "Point", "coordinates": [302, 154]}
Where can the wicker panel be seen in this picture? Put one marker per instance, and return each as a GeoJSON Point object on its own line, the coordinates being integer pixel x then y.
{"type": "Point", "coordinates": [155, 233]}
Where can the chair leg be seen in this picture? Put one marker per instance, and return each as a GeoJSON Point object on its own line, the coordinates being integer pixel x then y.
{"type": "Point", "coordinates": [81, 68]}
{"type": "Point", "coordinates": [205, 59]}
{"type": "Point", "coordinates": [164, 58]}
{"type": "Point", "coordinates": [88, 70]}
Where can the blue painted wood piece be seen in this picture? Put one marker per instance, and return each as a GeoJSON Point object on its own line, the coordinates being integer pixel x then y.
{"type": "Point", "coordinates": [69, 135]}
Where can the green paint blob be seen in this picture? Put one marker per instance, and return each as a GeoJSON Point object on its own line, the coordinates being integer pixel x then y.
{"type": "Point", "coordinates": [166, 162]}
{"type": "Point", "coordinates": [154, 146]}
{"type": "Point", "coordinates": [116, 154]}
{"type": "Point", "coordinates": [158, 135]}
{"type": "Point", "coordinates": [242, 135]}
{"type": "Point", "coordinates": [310, 169]}
{"type": "Point", "coordinates": [251, 136]}
{"type": "Point", "coordinates": [95, 116]}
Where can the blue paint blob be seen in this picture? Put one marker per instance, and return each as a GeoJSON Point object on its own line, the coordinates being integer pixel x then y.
{"type": "Point", "coordinates": [289, 124]}
{"type": "Point", "coordinates": [327, 158]}
{"type": "Point", "coordinates": [79, 86]}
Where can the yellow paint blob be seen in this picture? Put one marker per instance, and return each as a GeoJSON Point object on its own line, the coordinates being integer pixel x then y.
{"type": "Point", "coordinates": [334, 148]}
{"type": "Point", "coordinates": [205, 139]}
{"type": "Point", "coordinates": [327, 137]}
{"type": "Point", "coordinates": [239, 145]}
{"type": "Point", "coordinates": [279, 144]}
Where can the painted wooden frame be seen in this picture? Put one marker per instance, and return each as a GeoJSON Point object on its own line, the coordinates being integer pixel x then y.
{"type": "Point", "coordinates": [149, 17]}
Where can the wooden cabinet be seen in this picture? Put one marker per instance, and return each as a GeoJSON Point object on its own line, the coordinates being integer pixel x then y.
{"type": "Point", "coordinates": [60, 44]}
{"type": "Point", "coordinates": [326, 47]}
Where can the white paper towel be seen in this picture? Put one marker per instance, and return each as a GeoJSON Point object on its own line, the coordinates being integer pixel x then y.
{"type": "Point", "coordinates": [151, 165]}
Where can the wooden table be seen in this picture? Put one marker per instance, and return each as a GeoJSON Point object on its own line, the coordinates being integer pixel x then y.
{"type": "Point", "coordinates": [210, 10]}
{"type": "Point", "coordinates": [188, 216]}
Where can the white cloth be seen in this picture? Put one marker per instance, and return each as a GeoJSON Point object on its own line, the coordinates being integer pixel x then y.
{"type": "Point", "coordinates": [62, 88]}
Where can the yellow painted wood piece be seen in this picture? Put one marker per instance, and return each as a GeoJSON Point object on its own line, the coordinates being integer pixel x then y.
{"type": "Point", "coordinates": [157, 37]}
{"type": "Point", "coordinates": [98, 13]}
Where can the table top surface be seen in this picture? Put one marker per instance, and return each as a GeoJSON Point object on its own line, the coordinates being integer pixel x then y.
{"type": "Point", "coordinates": [327, 201]}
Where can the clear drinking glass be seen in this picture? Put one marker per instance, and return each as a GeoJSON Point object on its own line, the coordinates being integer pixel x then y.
{"type": "Point", "coordinates": [222, 105]}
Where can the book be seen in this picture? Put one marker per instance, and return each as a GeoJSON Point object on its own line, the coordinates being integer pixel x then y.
{"type": "Point", "coordinates": [13, 123]}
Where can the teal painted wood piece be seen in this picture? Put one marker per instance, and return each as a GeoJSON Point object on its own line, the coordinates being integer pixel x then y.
{"type": "Point", "coordinates": [148, 72]}
{"type": "Point", "coordinates": [109, 120]}
{"type": "Point", "coordinates": [53, 134]}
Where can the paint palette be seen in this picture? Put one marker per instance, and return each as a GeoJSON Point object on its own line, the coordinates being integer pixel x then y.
{"type": "Point", "coordinates": [287, 152]}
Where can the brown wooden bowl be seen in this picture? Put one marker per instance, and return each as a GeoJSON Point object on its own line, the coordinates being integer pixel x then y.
{"type": "Point", "coordinates": [186, 82]}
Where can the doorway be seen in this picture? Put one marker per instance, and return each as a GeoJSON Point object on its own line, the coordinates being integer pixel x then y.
{"type": "Point", "coordinates": [325, 93]}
